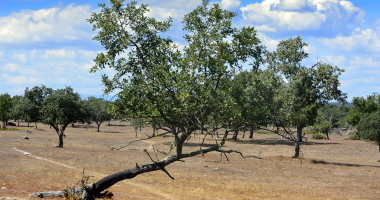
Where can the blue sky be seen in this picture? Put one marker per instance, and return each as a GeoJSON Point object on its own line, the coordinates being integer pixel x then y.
{"type": "Point", "coordinates": [49, 42]}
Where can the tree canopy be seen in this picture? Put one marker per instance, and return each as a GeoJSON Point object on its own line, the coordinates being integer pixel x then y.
{"type": "Point", "coordinates": [98, 109]}
{"type": "Point", "coordinates": [61, 108]}
{"type": "Point", "coordinates": [5, 108]}
{"type": "Point", "coordinates": [361, 106]}
{"type": "Point", "coordinates": [185, 90]}
{"type": "Point", "coordinates": [305, 88]}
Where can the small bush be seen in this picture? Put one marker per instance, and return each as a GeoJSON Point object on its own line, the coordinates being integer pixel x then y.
{"type": "Point", "coordinates": [354, 137]}
{"type": "Point", "coordinates": [318, 136]}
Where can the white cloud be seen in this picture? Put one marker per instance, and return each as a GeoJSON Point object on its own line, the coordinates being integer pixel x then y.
{"type": "Point", "coordinates": [20, 80]}
{"type": "Point", "coordinates": [33, 54]}
{"type": "Point", "coordinates": [230, 4]}
{"type": "Point", "coordinates": [335, 60]}
{"type": "Point", "coordinates": [53, 24]}
{"type": "Point", "coordinates": [20, 57]}
{"type": "Point", "coordinates": [60, 53]}
{"type": "Point", "coordinates": [365, 62]}
{"type": "Point", "coordinates": [303, 14]}
{"type": "Point", "coordinates": [363, 40]}
{"type": "Point", "coordinates": [12, 67]}
{"type": "Point", "coordinates": [271, 44]}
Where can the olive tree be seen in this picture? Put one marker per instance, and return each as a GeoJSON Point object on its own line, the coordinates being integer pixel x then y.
{"type": "Point", "coordinates": [61, 108]}
{"type": "Point", "coordinates": [178, 92]}
{"type": "Point", "coordinates": [5, 108]}
{"type": "Point", "coordinates": [306, 88]}
{"type": "Point", "coordinates": [98, 110]}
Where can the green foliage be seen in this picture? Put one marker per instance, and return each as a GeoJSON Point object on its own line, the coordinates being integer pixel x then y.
{"type": "Point", "coordinates": [362, 106]}
{"type": "Point", "coordinates": [5, 107]}
{"type": "Point", "coordinates": [334, 114]}
{"type": "Point", "coordinates": [369, 127]}
{"type": "Point", "coordinates": [61, 108]}
{"type": "Point", "coordinates": [306, 89]}
{"type": "Point", "coordinates": [98, 110]}
{"type": "Point", "coordinates": [321, 125]}
{"type": "Point", "coordinates": [318, 136]}
{"type": "Point", "coordinates": [354, 137]}
{"type": "Point", "coordinates": [183, 89]}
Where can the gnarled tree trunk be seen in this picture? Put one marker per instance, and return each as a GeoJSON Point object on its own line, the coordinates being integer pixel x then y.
{"type": "Point", "coordinates": [298, 141]}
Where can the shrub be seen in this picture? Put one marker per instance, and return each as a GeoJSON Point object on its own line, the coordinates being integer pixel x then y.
{"type": "Point", "coordinates": [369, 127]}
{"type": "Point", "coordinates": [318, 136]}
{"type": "Point", "coordinates": [354, 137]}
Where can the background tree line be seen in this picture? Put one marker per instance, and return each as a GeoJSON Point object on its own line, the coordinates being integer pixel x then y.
{"type": "Point", "coordinates": [57, 108]}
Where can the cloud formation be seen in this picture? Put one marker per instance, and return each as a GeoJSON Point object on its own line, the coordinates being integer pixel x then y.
{"type": "Point", "coordinates": [304, 15]}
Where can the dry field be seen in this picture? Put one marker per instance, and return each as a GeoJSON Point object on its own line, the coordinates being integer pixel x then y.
{"type": "Point", "coordinates": [352, 170]}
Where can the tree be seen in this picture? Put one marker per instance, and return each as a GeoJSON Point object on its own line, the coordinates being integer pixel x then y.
{"type": "Point", "coordinates": [16, 102]}
{"type": "Point", "coordinates": [362, 106]}
{"type": "Point", "coordinates": [322, 125]}
{"type": "Point", "coordinates": [306, 88]}
{"type": "Point", "coordinates": [32, 104]}
{"type": "Point", "coordinates": [98, 110]}
{"type": "Point", "coordinates": [369, 127]}
{"type": "Point", "coordinates": [61, 108]}
{"type": "Point", "coordinates": [5, 108]}
{"type": "Point", "coordinates": [185, 91]}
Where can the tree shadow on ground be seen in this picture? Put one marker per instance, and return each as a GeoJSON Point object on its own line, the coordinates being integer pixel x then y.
{"type": "Point", "coordinates": [108, 132]}
{"type": "Point", "coordinates": [82, 126]}
{"type": "Point", "coordinates": [347, 164]}
{"type": "Point", "coordinates": [275, 142]}
{"type": "Point", "coordinates": [117, 125]}
{"type": "Point", "coordinates": [190, 144]}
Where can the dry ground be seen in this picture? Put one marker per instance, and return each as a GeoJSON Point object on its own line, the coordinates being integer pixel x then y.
{"type": "Point", "coordinates": [351, 172]}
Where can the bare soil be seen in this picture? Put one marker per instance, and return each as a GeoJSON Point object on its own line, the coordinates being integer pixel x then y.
{"type": "Point", "coordinates": [329, 169]}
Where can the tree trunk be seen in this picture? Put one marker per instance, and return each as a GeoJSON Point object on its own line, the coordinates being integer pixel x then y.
{"type": "Point", "coordinates": [28, 124]}
{"type": "Point", "coordinates": [60, 135]}
{"type": "Point", "coordinates": [35, 123]}
{"type": "Point", "coordinates": [234, 137]}
{"type": "Point", "coordinates": [327, 134]}
{"type": "Point", "coordinates": [298, 140]}
{"type": "Point", "coordinates": [154, 131]}
{"type": "Point", "coordinates": [136, 131]}
{"type": "Point", "coordinates": [217, 134]}
{"type": "Point", "coordinates": [109, 123]}
{"type": "Point", "coordinates": [6, 122]}
{"type": "Point", "coordinates": [98, 127]}
{"type": "Point", "coordinates": [18, 122]}
{"type": "Point", "coordinates": [140, 128]}
{"type": "Point", "coordinates": [72, 124]}
{"type": "Point", "coordinates": [251, 132]}
{"type": "Point", "coordinates": [243, 133]}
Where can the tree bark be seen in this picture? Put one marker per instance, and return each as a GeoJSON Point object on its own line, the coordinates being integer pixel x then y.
{"type": "Point", "coordinates": [234, 137]}
{"type": "Point", "coordinates": [18, 122]}
{"type": "Point", "coordinates": [298, 140]}
{"type": "Point", "coordinates": [98, 127]}
{"type": "Point", "coordinates": [72, 124]}
{"type": "Point", "coordinates": [35, 123]}
{"type": "Point", "coordinates": [60, 135]}
{"type": "Point", "coordinates": [251, 132]}
{"type": "Point", "coordinates": [327, 134]}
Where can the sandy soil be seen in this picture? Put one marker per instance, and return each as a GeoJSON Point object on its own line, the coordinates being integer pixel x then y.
{"type": "Point", "coordinates": [351, 171]}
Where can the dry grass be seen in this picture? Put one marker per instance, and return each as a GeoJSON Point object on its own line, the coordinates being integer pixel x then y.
{"type": "Point", "coordinates": [328, 169]}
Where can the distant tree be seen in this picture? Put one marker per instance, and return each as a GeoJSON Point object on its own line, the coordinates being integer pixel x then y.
{"type": "Point", "coordinates": [98, 110]}
{"type": "Point", "coordinates": [322, 125]}
{"type": "Point", "coordinates": [362, 106]}
{"type": "Point", "coordinates": [369, 127]}
{"type": "Point", "coordinates": [5, 108]}
{"type": "Point", "coordinates": [61, 108]}
{"type": "Point", "coordinates": [306, 88]}
{"type": "Point", "coordinates": [30, 106]}
{"type": "Point", "coordinates": [15, 114]}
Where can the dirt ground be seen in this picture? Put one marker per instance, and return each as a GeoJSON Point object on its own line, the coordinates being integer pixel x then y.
{"type": "Point", "coordinates": [351, 171]}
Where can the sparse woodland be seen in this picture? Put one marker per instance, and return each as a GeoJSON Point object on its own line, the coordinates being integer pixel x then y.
{"type": "Point", "coordinates": [200, 89]}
